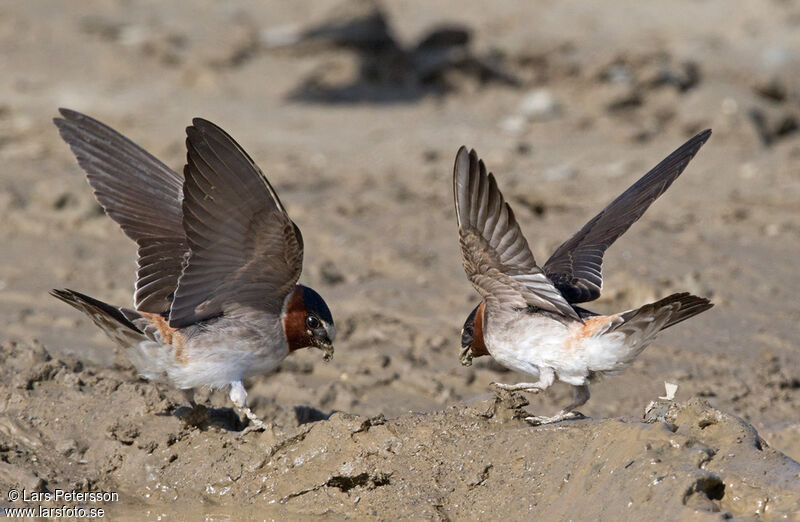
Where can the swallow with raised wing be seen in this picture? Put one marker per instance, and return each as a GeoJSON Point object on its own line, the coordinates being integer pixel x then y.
{"type": "Point", "coordinates": [528, 320]}
{"type": "Point", "coordinates": [216, 297]}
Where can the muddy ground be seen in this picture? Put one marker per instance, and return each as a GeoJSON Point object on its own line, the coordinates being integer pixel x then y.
{"type": "Point", "coordinates": [355, 114]}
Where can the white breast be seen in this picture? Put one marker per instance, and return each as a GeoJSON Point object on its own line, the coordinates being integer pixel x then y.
{"type": "Point", "coordinates": [527, 342]}
{"type": "Point", "coordinates": [215, 355]}
{"type": "Point", "coordinates": [524, 342]}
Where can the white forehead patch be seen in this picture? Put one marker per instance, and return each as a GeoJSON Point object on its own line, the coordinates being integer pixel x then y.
{"type": "Point", "coordinates": [331, 330]}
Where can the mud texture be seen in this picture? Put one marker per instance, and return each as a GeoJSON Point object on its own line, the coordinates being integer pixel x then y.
{"type": "Point", "coordinates": [476, 459]}
{"type": "Point", "coordinates": [355, 111]}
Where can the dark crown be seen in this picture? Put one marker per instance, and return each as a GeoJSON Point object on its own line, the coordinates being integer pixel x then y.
{"type": "Point", "coordinates": [314, 303]}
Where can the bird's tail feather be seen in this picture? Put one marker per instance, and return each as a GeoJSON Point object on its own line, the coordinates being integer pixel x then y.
{"type": "Point", "coordinates": [640, 326]}
{"type": "Point", "coordinates": [668, 311]}
{"type": "Point", "coordinates": [110, 319]}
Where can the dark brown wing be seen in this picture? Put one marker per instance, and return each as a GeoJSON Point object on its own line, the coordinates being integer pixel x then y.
{"type": "Point", "coordinates": [496, 256]}
{"type": "Point", "coordinates": [141, 194]}
{"type": "Point", "coordinates": [576, 266]}
{"type": "Point", "coordinates": [245, 251]}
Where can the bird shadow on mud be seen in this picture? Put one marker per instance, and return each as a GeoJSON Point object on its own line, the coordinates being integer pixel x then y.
{"type": "Point", "coordinates": [385, 69]}
{"type": "Point", "coordinates": [308, 414]}
{"type": "Point", "coordinates": [203, 417]}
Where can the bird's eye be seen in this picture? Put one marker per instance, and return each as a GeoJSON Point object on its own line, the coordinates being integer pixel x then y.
{"type": "Point", "coordinates": [312, 322]}
{"type": "Point", "coordinates": [466, 336]}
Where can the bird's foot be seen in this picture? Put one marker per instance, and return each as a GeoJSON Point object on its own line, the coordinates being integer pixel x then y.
{"type": "Point", "coordinates": [188, 396]}
{"type": "Point", "coordinates": [529, 387]}
{"type": "Point", "coordinates": [260, 426]}
{"type": "Point", "coordinates": [564, 415]}
{"type": "Point", "coordinates": [255, 424]}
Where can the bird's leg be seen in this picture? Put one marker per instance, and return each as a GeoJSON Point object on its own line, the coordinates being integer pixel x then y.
{"type": "Point", "coordinates": [188, 396]}
{"type": "Point", "coordinates": [580, 394]}
{"type": "Point", "coordinates": [198, 413]}
{"type": "Point", "coordinates": [238, 396]}
{"type": "Point", "coordinates": [546, 378]}
{"type": "Point", "coordinates": [531, 387]}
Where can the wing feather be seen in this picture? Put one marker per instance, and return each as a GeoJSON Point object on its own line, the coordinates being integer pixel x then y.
{"type": "Point", "coordinates": [245, 250]}
{"type": "Point", "coordinates": [576, 266]}
{"type": "Point", "coordinates": [141, 194]}
{"type": "Point", "coordinates": [496, 255]}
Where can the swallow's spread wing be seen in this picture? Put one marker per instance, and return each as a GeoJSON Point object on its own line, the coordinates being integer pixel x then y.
{"type": "Point", "coordinates": [576, 266]}
{"type": "Point", "coordinates": [142, 195]}
{"type": "Point", "coordinates": [497, 259]}
{"type": "Point", "coordinates": [245, 251]}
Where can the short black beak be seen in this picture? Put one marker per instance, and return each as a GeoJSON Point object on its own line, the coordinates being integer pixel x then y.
{"type": "Point", "coordinates": [466, 356]}
{"type": "Point", "coordinates": [327, 349]}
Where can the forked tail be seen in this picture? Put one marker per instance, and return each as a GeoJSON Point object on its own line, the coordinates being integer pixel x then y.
{"type": "Point", "coordinates": [110, 319]}
{"type": "Point", "coordinates": [641, 325]}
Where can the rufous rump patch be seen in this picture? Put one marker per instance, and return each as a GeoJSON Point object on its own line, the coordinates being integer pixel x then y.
{"type": "Point", "coordinates": [592, 325]}
{"type": "Point", "coordinates": [169, 335]}
{"type": "Point", "coordinates": [180, 352]}
{"type": "Point", "coordinates": [589, 328]}
{"type": "Point", "coordinates": [478, 347]}
{"type": "Point", "coordinates": [294, 322]}
{"type": "Point", "coordinates": [161, 324]}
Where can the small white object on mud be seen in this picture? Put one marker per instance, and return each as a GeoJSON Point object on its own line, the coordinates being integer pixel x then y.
{"type": "Point", "coordinates": [671, 389]}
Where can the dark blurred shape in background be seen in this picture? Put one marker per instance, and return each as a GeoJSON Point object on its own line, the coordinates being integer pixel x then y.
{"type": "Point", "coordinates": [387, 70]}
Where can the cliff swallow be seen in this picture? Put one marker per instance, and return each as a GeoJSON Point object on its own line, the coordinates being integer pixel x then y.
{"type": "Point", "coordinates": [216, 297]}
{"type": "Point", "coordinates": [528, 319]}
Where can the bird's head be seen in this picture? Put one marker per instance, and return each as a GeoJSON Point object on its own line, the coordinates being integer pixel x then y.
{"type": "Point", "coordinates": [307, 321]}
{"type": "Point", "coordinates": [472, 344]}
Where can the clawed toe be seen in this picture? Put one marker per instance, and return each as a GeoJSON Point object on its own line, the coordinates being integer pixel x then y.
{"type": "Point", "coordinates": [515, 387]}
{"type": "Point", "coordinates": [253, 427]}
{"type": "Point", "coordinates": [257, 425]}
{"type": "Point", "coordinates": [538, 421]}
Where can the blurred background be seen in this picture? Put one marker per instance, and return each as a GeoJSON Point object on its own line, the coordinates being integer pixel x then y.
{"type": "Point", "coordinates": [355, 110]}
